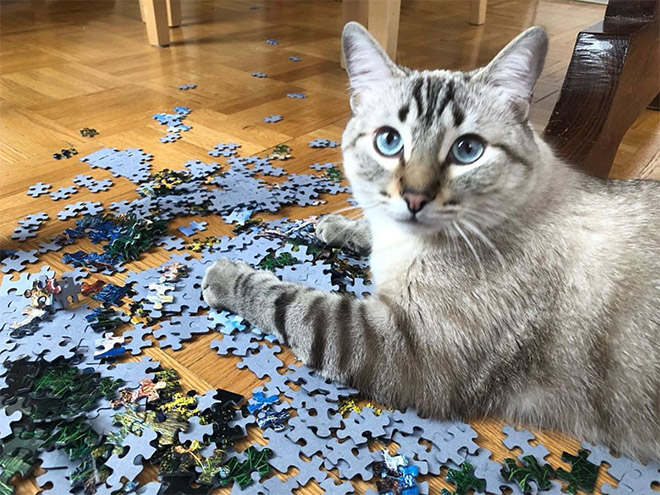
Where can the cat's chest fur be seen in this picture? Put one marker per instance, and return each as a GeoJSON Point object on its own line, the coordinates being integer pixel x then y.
{"type": "Point", "coordinates": [394, 251]}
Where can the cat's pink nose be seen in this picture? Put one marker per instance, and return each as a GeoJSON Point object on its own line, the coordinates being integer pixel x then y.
{"type": "Point", "coordinates": [415, 201]}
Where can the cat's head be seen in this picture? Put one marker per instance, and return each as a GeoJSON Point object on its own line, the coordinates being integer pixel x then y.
{"type": "Point", "coordinates": [428, 148]}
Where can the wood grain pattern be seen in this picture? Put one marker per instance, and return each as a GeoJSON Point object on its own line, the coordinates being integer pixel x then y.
{"type": "Point", "coordinates": [613, 76]}
{"type": "Point", "coordinates": [69, 64]}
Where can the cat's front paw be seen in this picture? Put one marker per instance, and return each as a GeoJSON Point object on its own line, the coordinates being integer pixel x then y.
{"type": "Point", "coordinates": [219, 283]}
{"type": "Point", "coordinates": [334, 229]}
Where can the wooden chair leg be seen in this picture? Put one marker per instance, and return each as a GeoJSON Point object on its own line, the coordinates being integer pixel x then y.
{"type": "Point", "coordinates": [174, 13]}
{"type": "Point", "coordinates": [155, 12]}
{"type": "Point", "coordinates": [478, 12]}
{"type": "Point", "coordinates": [384, 23]}
{"type": "Point", "coordinates": [612, 77]}
{"type": "Point", "coordinates": [142, 16]}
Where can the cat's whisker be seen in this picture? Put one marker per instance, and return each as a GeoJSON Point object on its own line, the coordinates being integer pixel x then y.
{"type": "Point", "coordinates": [309, 222]}
{"type": "Point", "coordinates": [341, 210]}
{"type": "Point", "coordinates": [451, 242]}
{"type": "Point", "coordinates": [470, 246]}
{"type": "Point", "coordinates": [299, 227]}
{"type": "Point", "coordinates": [476, 231]}
{"type": "Point", "coordinates": [489, 220]}
{"type": "Point", "coordinates": [350, 208]}
{"type": "Point", "coordinates": [485, 215]}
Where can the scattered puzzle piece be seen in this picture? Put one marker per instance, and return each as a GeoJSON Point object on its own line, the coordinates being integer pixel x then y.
{"type": "Point", "coordinates": [192, 228]}
{"type": "Point", "coordinates": [88, 132]}
{"type": "Point", "coordinates": [38, 189]}
{"type": "Point", "coordinates": [582, 476]}
{"type": "Point", "coordinates": [529, 472]}
{"type": "Point", "coordinates": [323, 143]}
{"type": "Point", "coordinates": [132, 164]}
{"type": "Point", "coordinates": [63, 193]}
{"type": "Point", "coordinates": [271, 119]}
{"type": "Point", "coordinates": [464, 479]}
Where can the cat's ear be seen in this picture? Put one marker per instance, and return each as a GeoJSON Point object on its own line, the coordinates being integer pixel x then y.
{"type": "Point", "coordinates": [366, 62]}
{"type": "Point", "coordinates": [518, 66]}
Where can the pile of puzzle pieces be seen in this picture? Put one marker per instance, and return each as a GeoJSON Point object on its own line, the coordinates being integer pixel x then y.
{"type": "Point", "coordinates": [71, 334]}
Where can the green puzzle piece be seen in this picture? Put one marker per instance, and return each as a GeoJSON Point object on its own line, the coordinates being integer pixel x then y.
{"type": "Point", "coordinates": [529, 471]}
{"type": "Point", "coordinates": [582, 475]}
{"type": "Point", "coordinates": [17, 457]}
{"type": "Point", "coordinates": [270, 262]}
{"type": "Point", "coordinates": [464, 479]}
{"type": "Point", "coordinates": [257, 460]}
{"type": "Point", "coordinates": [333, 173]}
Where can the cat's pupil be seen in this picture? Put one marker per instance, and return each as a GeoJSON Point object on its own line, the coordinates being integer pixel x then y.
{"type": "Point", "coordinates": [466, 147]}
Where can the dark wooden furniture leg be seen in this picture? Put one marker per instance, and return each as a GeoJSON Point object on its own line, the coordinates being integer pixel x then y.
{"type": "Point", "coordinates": [655, 104]}
{"type": "Point", "coordinates": [613, 76]}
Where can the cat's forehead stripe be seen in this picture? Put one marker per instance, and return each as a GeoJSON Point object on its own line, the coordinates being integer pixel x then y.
{"type": "Point", "coordinates": [403, 113]}
{"type": "Point", "coordinates": [433, 88]}
{"type": "Point", "coordinates": [458, 114]}
{"type": "Point", "coordinates": [432, 95]}
{"type": "Point", "coordinates": [417, 95]}
{"type": "Point", "coordinates": [447, 98]}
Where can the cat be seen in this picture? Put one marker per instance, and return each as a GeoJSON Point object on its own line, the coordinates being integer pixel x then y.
{"type": "Point", "coordinates": [507, 283]}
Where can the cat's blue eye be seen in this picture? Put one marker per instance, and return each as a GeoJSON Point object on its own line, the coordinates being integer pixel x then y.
{"type": "Point", "coordinates": [388, 142]}
{"type": "Point", "coordinates": [467, 149]}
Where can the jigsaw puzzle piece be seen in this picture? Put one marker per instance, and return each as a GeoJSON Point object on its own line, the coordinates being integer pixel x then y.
{"type": "Point", "coordinates": [6, 421]}
{"type": "Point", "coordinates": [262, 363]}
{"type": "Point", "coordinates": [240, 344]}
{"type": "Point", "coordinates": [522, 439]}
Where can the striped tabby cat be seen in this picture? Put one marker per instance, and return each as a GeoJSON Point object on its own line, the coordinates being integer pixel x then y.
{"type": "Point", "coordinates": [507, 283]}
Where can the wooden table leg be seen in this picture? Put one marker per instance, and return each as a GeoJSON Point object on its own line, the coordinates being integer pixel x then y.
{"type": "Point", "coordinates": [174, 13]}
{"type": "Point", "coordinates": [155, 13]}
{"type": "Point", "coordinates": [384, 24]}
{"type": "Point", "coordinates": [478, 12]}
{"type": "Point", "coordinates": [613, 76]}
{"type": "Point", "coordinates": [381, 17]}
{"type": "Point", "coordinates": [354, 11]}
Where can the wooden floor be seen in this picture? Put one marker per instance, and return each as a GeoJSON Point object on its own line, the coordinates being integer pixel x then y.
{"type": "Point", "coordinates": [65, 65]}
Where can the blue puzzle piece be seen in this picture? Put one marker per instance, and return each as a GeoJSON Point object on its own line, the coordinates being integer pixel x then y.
{"type": "Point", "coordinates": [38, 189]}
{"type": "Point", "coordinates": [323, 143]}
{"type": "Point", "coordinates": [271, 119]}
{"type": "Point", "coordinates": [264, 362]}
{"type": "Point", "coordinates": [192, 228]}
{"type": "Point", "coordinates": [132, 164]}
{"type": "Point", "coordinates": [6, 420]}
{"type": "Point", "coordinates": [240, 344]}
{"type": "Point", "coordinates": [63, 193]}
